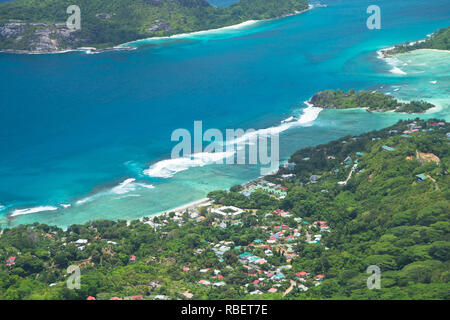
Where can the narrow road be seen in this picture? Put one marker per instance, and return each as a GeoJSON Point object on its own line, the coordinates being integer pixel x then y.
{"type": "Point", "coordinates": [436, 187]}
{"type": "Point", "coordinates": [293, 284]}
{"type": "Point", "coordinates": [351, 172]}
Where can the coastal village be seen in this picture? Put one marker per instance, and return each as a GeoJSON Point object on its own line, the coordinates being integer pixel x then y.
{"type": "Point", "coordinates": [255, 250]}
{"type": "Point", "coordinates": [278, 231]}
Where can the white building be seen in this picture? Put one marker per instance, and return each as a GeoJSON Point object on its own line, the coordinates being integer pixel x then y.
{"type": "Point", "coordinates": [228, 211]}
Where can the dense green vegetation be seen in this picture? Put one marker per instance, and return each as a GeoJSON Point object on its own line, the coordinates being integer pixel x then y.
{"type": "Point", "coordinates": [109, 23]}
{"type": "Point", "coordinates": [372, 101]}
{"type": "Point", "coordinates": [439, 40]}
{"type": "Point", "coordinates": [382, 216]}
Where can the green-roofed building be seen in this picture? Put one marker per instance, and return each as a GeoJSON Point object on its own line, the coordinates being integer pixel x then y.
{"type": "Point", "coordinates": [421, 177]}
{"type": "Point", "coordinates": [388, 148]}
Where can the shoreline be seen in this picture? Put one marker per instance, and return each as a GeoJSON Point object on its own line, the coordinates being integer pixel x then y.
{"type": "Point", "coordinates": [207, 31]}
{"type": "Point", "coordinates": [431, 110]}
{"type": "Point", "coordinates": [310, 114]}
{"type": "Point", "coordinates": [190, 205]}
{"type": "Point", "coordinates": [198, 203]}
{"type": "Point", "coordinates": [383, 53]}
{"type": "Point", "coordinates": [125, 45]}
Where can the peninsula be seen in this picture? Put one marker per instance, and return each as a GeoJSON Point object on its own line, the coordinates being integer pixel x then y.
{"type": "Point", "coordinates": [372, 101]}
{"type": "Point", "coordinates": [439, 40]}
{"type": "Point", "coordinates": [34, 26]}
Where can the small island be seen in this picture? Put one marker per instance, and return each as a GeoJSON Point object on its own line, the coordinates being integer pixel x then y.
{"type": "Point", "coordinates": [372, 101]}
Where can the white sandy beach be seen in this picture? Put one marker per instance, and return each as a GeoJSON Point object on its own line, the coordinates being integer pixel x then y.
{"type": "Point", "coordinates": [190, 205]}
{"type": "Point", "coordinates": [238, 26]}
{"type": "Point", "coordinates": [93, 50]}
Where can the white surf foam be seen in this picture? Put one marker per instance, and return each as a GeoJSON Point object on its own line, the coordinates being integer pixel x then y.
{"type": "Point", "coordinates": [124, 187]}
{"type": "Point", "coordinates": [19, 212]}
{"type": "Point", "coordinates": [127, 196]}
{"type": "Point", "coordinates": [235, 27]}
{"type": "Point", "coordinates": [397, 70]}
{"type": "Point", "coordinates": [146, 186]}
{"type": "Point", "coordinates": [392, 61]}
{"type": "Point", "coordinates": [309, 115]}
{"type": "Point", "coordinates": [288, 119]}
{"type": "Point", "coordinates": [169, 167]}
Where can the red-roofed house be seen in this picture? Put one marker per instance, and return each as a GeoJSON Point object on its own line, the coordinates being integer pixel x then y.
{"type": "Point", "coordinates": [272, 290]}
{"type": "Point", "coordinates": [301, 274]}
{"type": "Point", "coordinates": [290, 238]}
{"type": "Point", "coordinates": [255, 282]}
{"type": "Point", "coordinates": [133, 258]}
{"type": "Point", "coordinates": [116, 298]}
{"type": "Point", "coordinates": [137, 297]}
{"type": "Point", "coordinates": [90, 298]}
{"type": "Point", "coordinates": [11, 261]}
{"type": "Point", "coordinates": [320, 277]}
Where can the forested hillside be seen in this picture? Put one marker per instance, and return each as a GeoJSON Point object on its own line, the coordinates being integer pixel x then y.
{"type": "Point", "coordinates": [381, 198]}
{"type": "Point", "coordinates": [371, 101]}
{"type": "Point", "coordinates": [439, 40]}
{"type": "Point", "coordinates": [39, 25]}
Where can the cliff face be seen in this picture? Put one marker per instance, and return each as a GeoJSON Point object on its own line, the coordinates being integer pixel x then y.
{"type": "Point", "coordinates": [37, 37]}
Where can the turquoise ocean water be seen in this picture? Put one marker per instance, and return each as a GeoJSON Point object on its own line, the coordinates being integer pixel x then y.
{"type": "Point", "coordinates": [76, 128]}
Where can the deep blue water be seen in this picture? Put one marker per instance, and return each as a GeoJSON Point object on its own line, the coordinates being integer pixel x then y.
{"type": "Point", "coordinates": [72, 125]}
